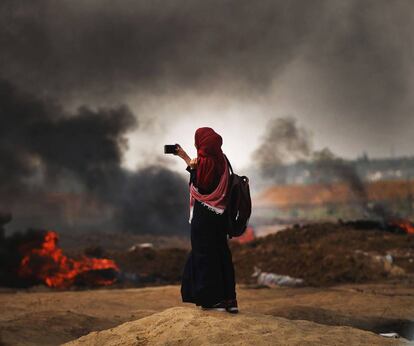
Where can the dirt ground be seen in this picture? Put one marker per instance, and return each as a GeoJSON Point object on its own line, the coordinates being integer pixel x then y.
{"type": "Point", "coordinates": [322, 254]}
{"type": "Point", "coordinates": [328, 254]}
{"type": "Point", "coordinates": [358, 283]}
{"type": "Point", "coordinates": [44, 317]}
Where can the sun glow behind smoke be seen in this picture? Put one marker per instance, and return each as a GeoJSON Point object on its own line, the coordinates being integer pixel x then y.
{"type": "Point", "coordinates": [175, 121]}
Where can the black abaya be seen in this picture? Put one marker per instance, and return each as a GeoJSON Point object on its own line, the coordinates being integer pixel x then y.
{"type": "Point", "coordinates": [208, 276]}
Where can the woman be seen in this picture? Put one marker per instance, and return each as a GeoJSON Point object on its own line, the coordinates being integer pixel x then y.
{"type": "Point", "coordinates": [208, 277]}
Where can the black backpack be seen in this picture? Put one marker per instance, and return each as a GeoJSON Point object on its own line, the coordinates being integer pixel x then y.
{"type": "Point", "coordinates": [239, 204]}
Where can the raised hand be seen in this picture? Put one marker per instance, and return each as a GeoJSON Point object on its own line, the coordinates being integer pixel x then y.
{"type": "Point", "coordinates": [181, 153]}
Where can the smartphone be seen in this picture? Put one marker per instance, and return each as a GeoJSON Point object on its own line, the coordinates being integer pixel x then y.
{"type": "Point", "coordinates": [170, 148]}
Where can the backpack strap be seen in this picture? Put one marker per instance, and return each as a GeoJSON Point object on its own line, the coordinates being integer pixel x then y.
{"type": "Point", "coordinates": [231, 168]}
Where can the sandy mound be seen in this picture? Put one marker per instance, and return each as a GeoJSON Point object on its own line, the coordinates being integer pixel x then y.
{"type": "Point", "coordinates": [191, 326]}
{"type": "Point", "coordinates": [29, 329]}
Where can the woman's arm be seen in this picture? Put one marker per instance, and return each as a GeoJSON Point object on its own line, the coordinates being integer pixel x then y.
{"type": "Point", "coordinates": [192, 163]}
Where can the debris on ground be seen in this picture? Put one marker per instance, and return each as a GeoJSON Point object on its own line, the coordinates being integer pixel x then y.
{"type": "Point", "coordinates": [275, 280]}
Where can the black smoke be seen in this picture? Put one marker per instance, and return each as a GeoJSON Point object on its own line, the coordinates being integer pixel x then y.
{"type": "Point", "coordinates": [284, 141]}
{"type": "Point", "coordinates": [361, 51]}
{"type": "Point", "coordinates": [106, 47]}
{"type": "Point", "coordinates": [104, 53]}
{"type": "Point", "coordinates": [154, 199]}
{"type": "Point", "coordinates": [45, 149]}
{"type": "Point", "coordinates": [37, 134]}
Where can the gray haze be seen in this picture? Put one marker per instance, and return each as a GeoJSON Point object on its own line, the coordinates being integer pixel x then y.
{"type": "Point", "coordinates": [286, 141]}
{"type": "Point", "coordinates": [344, 69]}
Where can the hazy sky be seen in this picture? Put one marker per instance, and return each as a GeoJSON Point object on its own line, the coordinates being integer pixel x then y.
{"type": "Point", "coordinates": [343, 69]}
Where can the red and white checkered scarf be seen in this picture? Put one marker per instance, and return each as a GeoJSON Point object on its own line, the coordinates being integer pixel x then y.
{"type": "Point", "coordinates": [215, 201]}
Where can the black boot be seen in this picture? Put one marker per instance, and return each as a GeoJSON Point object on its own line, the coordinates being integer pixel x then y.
{"type": "Point", "coordinates": [231, 306]}
{"type": "Point", "coordinates": [218, 307]}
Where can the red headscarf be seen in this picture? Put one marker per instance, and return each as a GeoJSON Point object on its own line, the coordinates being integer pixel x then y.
{"type": "Point", "coordinates": [210, 158]}
{"type": "Point", "coordinates": [212, 172]}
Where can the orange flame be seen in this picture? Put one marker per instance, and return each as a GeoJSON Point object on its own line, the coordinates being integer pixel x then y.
{"type": "Point", "coordinates": [246, 237]}
{"type": "Point", "coordinates": [407, 226]}
{"type": "Point", "coordinates": [48, 264]}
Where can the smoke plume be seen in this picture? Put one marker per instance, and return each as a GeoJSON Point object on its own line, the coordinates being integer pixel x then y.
{"type": "Point", "coordinates": [283, 142]}
{"type": "Point", "coordinates": [343, 64]}
{"type": "Point", "coordinates": [287, 142]}
{"type": "Point", "coordinates": [44, 150]}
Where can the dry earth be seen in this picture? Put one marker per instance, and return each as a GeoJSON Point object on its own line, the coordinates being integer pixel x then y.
{"type": "Point", "coordinates": [339, 315]}
{"type": "Point", "coordinates": [189, 326]}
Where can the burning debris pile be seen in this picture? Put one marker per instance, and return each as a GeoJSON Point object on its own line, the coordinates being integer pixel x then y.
{"type": "Point", "coordinates": [45, 262]}
{"type": "Point", "coordinates": [34, 257]}
{"type": "Point", "coordinates": [404, 225]}
{"type": "Point", "coordinates": [319, 254]}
